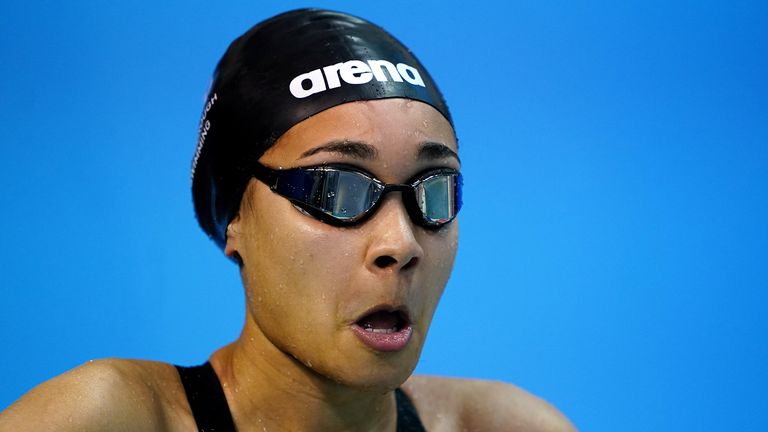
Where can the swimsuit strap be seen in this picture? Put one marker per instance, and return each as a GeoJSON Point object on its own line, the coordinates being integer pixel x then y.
{"type": "Point", "coordinates": [211, 411]}
{"type": "Point", "coordinates": [407, 417]}
{"type": "Point", "coordinates": [206, 398]}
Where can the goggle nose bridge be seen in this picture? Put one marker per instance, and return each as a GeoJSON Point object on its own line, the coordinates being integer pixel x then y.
{"type": "Point", "coordinates": [408, 199]}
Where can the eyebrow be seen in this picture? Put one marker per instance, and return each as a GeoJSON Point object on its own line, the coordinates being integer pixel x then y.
{"type": "Point", "coordinates": [360, 150]}
{"type": "Point", "coordinates": [434, 150]}
{"type": "Point", "coordinates": [355, 149]}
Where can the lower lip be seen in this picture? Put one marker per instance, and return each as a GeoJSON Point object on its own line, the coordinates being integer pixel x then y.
{"type": "Point", "coordinates": [385, 342]}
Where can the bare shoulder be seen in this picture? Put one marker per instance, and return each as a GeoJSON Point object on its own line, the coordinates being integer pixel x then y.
{"type": "Point", "coordinates": [102, 395]}
{"type": "Point", "coordinates": [447, 404]}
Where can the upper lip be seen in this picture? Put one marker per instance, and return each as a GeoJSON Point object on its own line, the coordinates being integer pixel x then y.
{"type": "Point", "coordinates": [401, 309]}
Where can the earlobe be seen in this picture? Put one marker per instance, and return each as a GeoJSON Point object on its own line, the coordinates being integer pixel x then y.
{"type": "Point", "coordinates": [233, 239]}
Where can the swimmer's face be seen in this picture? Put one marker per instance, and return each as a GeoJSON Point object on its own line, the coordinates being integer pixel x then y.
{"type": "Point", "coordinates": [310, 286]}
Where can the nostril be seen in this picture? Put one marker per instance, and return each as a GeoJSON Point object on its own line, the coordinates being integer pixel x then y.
{"type": "Point", "coordinates": [385, 261]}
{"type": "Point", "coordinates": [411, 263]}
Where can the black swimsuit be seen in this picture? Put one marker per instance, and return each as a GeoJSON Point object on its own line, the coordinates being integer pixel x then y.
{"type": "Point", "coordinates": [211, 412]}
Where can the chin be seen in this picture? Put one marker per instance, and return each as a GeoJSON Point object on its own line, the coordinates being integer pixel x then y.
{"type": "Point", "coordinates": [378, 372]}
{"type": "Point", "coordinates": [379, 380]}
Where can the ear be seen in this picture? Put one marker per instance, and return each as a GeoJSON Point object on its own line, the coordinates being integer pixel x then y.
{"type": "Point", "coordinates": [232, 247]}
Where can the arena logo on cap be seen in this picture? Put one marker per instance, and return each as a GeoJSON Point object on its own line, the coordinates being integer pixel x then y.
{"type": "Point", "coordinates": [353, 72]}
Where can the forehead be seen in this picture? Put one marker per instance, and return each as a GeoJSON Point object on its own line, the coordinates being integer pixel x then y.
{"type": "Point", "coordinates": [394, 126]}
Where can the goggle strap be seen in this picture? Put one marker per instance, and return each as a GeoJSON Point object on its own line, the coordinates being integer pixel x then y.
{"type": "Point", "coordinates": [267, 175]}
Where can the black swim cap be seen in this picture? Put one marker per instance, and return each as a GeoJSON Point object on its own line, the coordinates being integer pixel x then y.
{"type": "Point", "coordinates": [280, 72]}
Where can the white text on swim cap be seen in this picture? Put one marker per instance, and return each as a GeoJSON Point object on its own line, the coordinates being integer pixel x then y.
{"type": "Point", "coordinates": [205, 126]}
{"type": "Point", "coordinates": [353, 72]}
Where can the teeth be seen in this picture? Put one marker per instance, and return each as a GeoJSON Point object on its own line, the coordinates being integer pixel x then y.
{"type": "Point", "coordinates": [380, 330]}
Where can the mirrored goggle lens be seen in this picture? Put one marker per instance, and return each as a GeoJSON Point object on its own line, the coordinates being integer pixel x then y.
{"type": "Point", "coordinates": [345, 195]}
{"type": "Point", "coordinates": [436, 197]}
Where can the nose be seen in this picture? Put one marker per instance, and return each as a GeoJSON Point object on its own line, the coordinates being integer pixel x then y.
{"type": "Point", "coordinates": [393, 245]}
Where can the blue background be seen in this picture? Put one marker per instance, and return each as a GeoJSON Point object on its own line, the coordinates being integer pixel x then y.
{"type": "Point", "coordinates": [613, 252]}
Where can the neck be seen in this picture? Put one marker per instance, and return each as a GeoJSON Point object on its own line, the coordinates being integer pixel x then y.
{"type": "Point", "coordinates": [268, 389]}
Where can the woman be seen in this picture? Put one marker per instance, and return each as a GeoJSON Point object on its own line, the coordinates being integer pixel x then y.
{"type": "Point", "coordinates": [327, 169]}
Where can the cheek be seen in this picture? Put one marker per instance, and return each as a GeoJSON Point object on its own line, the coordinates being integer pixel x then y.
{"type": "Point", "coordinates": [441, 247]}
{"type": "Point", "coordinates": [440, 251]}
{"type": "Point", "coordinates": [295, 268]}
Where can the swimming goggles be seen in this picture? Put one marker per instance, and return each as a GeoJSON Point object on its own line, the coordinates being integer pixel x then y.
{"type": "Point", "coordinates": [344, 195]}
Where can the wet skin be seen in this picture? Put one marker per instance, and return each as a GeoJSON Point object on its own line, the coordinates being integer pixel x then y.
{"type": "Point", "coordinates": [308, 282]}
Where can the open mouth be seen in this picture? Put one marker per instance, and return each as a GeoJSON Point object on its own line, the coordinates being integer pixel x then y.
{"type": "Point", "coordinates": [384, 329]}
{"type": "Point", "coordinates": [383, 321]}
